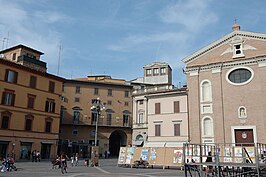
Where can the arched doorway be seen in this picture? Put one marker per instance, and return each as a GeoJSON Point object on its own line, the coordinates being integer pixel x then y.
{"type": "Point", "coordinates": [117, 139]}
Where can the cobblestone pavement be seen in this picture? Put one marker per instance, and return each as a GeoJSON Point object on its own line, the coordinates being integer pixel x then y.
{"type": "Point", "coordinates": [107, 168]}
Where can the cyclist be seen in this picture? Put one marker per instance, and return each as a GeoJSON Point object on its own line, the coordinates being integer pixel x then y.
{"type": "Point", "coordinates": [63, 162]}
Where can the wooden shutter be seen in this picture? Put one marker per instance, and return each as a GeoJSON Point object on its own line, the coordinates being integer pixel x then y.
{"type": "Point", "coordinates": [176, 107]}
{"type": "Point", "coordinates": [157, 108]}
{"type": "Point", "coordinates": [157, 130]}
{"type": "Point", "coordinates": [176, 129]}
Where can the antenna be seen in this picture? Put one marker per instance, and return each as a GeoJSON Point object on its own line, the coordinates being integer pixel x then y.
{"type": "Point", "coordinates": [59, 58]}
{"type": "Point", "coordinates": [7, 39]}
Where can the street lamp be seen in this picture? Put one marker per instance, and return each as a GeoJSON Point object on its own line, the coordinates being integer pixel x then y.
{"type": "Point", "coordinates": [98, 107]}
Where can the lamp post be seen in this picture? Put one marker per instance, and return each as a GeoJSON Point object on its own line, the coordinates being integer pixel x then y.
{"type": "Point", "coordinates": [13, 150]}
{"type": "Point", "coordinates": [98, 107]}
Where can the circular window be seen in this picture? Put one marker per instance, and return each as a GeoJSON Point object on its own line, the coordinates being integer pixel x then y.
{"type": "Point", "coordinates": [239, 76]}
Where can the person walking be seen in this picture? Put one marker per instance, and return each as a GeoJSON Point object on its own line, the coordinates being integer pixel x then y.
{"type": "Point", "coordinates": [63, 163]}
{"type": "Point", "coordinates": [76, 159]}
{"type": "Point", "coordinates": [33, 156]}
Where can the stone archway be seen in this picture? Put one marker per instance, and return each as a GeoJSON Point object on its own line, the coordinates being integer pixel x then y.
{"type": "Point", "coordinates": [117, 139]}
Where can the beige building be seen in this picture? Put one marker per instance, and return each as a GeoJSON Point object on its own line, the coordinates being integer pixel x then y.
{"type": "Point", "coordinates": [169, 125]}
{"type": "Point", "coordinates": [227, 89]}
{"type": "Point", "coordinates": [30, 104]}
{"type": "Point", "coordinates": [78, 121]}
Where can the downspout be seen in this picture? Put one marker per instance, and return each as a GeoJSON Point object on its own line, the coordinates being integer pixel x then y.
{"type": "Point", "coordinates": [199, 89]}
{"type": "Point", "coordinates": [222, 96]}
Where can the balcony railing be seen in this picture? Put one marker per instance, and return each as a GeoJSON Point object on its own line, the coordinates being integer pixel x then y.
{"type": "Point", "coordinates": [34, 61]}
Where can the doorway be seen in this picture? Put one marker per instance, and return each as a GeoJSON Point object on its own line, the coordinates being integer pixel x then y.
{"type": "Point", "coordinates": [117, 139]}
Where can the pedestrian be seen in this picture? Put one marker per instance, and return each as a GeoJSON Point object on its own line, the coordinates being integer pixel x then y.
{"type": "Point", "coordinates": [33, 156]}
{"type": "Point", "coordinates": [105, 154]}
{"type": "Point", "coordinates": [77, 159]}
{"type": "Point", "coordinates": [38, 156]}
{"type": "Point", "coordinates": [72, 159]}
{"type": "Point", "coordinates": [209, 167]}
{"type": "Point", "coordinates": [63, 162]}
{"type": "Point", "coordinates": [108, 154]}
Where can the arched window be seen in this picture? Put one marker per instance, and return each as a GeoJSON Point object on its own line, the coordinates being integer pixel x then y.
{"type": "Point", "coordinates": [141, 118]}
{"type": "Point", "coordinates": [206, 91]}
{"type": "Point", "coordinates": [207, 127]}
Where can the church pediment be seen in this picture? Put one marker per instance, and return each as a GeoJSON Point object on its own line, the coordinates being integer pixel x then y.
{"type": "Point", "coordinates": [234, 46]}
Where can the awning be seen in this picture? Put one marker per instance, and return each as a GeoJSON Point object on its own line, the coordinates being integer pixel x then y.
{"type": "Point", "coordinates": [138, 143]}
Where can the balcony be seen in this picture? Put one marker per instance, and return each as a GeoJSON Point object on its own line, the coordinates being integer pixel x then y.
{"type": "Point", "coordinates": [29, 60]}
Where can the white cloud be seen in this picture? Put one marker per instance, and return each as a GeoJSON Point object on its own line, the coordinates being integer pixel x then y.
{"type": "Point", "coordinates": [138, 41]}
{"type": "Point", "coordinates": [193, 14]}
{"type": "Point", "coordinates": [30, 30]}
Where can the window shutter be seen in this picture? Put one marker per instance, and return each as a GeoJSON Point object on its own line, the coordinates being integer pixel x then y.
{"type": "Point", "coordinates": [53, 107]}
{"type": "Point", "coordinates": [157, 108]}
{"type": "Point", "coordinates": [13, 99]}
{"type": "Point", "coordinates": [16, 77]}
{"type": "Point", "coordinates": [3, 97]}
{"type": "Point", "coordinates": [46, 106]}
{"type": "Point", "coordinates": [6, 76]}
{"type": "Point", "coordinates": [176, 107]}
{"type": "Point", "coordinates": [177, 129]}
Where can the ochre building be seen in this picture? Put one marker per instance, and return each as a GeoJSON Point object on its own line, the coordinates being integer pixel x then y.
{"type": "Point", "coordinates": [30, 104]}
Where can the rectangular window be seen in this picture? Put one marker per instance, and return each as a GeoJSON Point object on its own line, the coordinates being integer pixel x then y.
{"type": "Point", "coordinates": [8, 98]}
{"type": "Point", "coordinates": [126, 120]}
{"type": "Point", "coordinates": [126, 93]}
{"type": "Point", "coordinates": [11, 76]}
{"type": "Point", "coordinates": [14, 57]}
{"type": "Point", "coordinates": [76, 116]}
{"type": "Point", "coordinates": [140, 102]}
{"type": "Point", "coordinates": [75, 132]}
{"type": "Point", "coordinates": [126, 103]}
{"type": "Point", "coordinates": [110, 92]}
{"type": "Point", "coordinates": [109, 119]}
{"type": "Point", "coordinates": [109, 102]}
{"type": "Point", "coordinates": [48, 125]}
{"type": "Point", "coordinates": [141, 120]}
{"type": "Point", "coordinates": [155, 71]}
{"type": "Point", "coordinates": [96, 91]}
{"type": "Point", "coordinates": [63, 88]}
{"type": "Point", "coordinates": [31, 100]}
{"type": "Point", "coordinates": [50, 106]}
{"type": "Point", "coordinates": [157, 108]}
{"type": "Point", "coordinates": [148, 72]}
{"type": "Point", "coordinates": [176, 107]}
{"type": "Point", "coordinates": [5, 122]}
{"type": "Point", "coordinates": [28, 125]}
{"type": "Point", "coordinates": [176, 129]}
{"type": "Point", "coordinates": [51, 86]}
{"type": "Point", "coordinates": [77, 89]}
{"type": "Point", "coordinates": [33, 81]}
{"type": "Point", "coordinates": [157, 130]}
{"type": "Point", "coordinates": [76, 99]}
{"type": "Point", "coordinates": [163, 71]}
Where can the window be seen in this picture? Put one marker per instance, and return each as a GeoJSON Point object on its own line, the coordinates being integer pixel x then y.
{"type": "Point", "coordinates": [126, 93]}
{"type": "Point", "coordinates": [14, 56]}
{"type": "Point", "coordinates": [206, 94]}
{"type": "Point", "coordinates": [110, 92]}
{"type": "Point", "coordinates": [11, 76]}
{"type": "Point", "coordinates": [50, 106]}
{"type": "Point", "coordinates": [76, 116]}
{"type": "Point", "coordinates": [163, 71]}
{"type": "Point", "coordinates": [28, 122]}
{"type": "Point", "coordinates": [31, 100]}
{"type": "Point", "coordinates": [75, 131]}
{"type": "Point", "coordinates": [155, 71]}
{"type": "Point", "coordinates": [140, 102]}
{"type": "Point", "coordinates": [109, 119]}
{"type": "Point", "coordinates": [241, 75]}
{"type": "Point", "coordinates": [126, 120]}
{"type": "Point", "coordinates": [126, 103]}
{"type": "Point", "coordinates": [77, 89]}
{"type": "Point", "coordinates": [157, 108]}
{"type": "Point", "coordinates": [48, 125]}
{"type": "Point", "coordinates": [63, 88]}
{"type": "Point", "coordinates": [51, 86]}
{"type": "Point", "coordinates": [176, 129]}
{"type": "Point", "coordinates": [157, 130]}
{"type": "Point", "coordinates": [140, 119]}
{"type": "Point", "coordinates": [148, 72]}
{"type": "Point", "coordinates": [33, 81]}
{"type": "Point", "coordinates": [8, 98]}
{"type": "Point", "coordinates": [5, 120]}
{"type": "Point", "coordinates": [176, 107]}
{"type": "Point", "coordinates": [76, 99]}
{"type": "Point", "coordinates": [96, 91]}
{"type": "Point", "coordinates": [109, 102]}
{"type": "Point", "coordinates": [207, 127]}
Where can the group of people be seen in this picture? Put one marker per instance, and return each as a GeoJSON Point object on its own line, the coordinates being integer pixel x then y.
{"type": "Point", "coordinates": [75, 159]}
{"type": "Point", "coordinates": [36, 156]}
{"type": "Point", "coordinates": [107, 154]}
{"type": "Point", "coordinates": [8, 164]}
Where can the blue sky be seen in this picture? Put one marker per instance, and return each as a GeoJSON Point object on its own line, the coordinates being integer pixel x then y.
{"type": "Point", "coordinates": [118, 37]}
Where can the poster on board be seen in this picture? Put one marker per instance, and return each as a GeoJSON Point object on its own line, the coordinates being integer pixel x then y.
{"type": "Point", "coordinates": [178, 156]}
{"type": "Point", "coordinates": [144, 154]}
{"type": "Point", "coordinates": [129, 155]}
{"type": "Point", "coordinates": [152, 154]}
{"type": "Point", "coordinates": [122, 155]}
{"type": "Point", "coordinates": [238, 155]}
